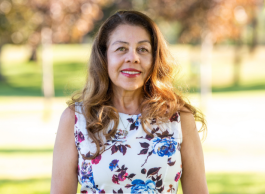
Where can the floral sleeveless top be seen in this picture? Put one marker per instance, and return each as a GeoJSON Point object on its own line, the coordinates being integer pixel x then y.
{"type": "Point", "coordinates": [132, 161]}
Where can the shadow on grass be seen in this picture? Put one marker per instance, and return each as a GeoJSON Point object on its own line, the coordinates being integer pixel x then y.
{"type": "Point", "coordinates": [239, 88]}
{"type": "Point", "coordinates": [27, 81]}
{"type": "Point", "coordinates": [232, 88]}
{"type": "Point", "coordinates": [31, 151]}
{"type": "Point", "coordinates": [7, 89]}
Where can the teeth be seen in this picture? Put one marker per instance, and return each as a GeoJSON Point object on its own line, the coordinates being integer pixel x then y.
{"type": "Point", "coordinates": [131, 72]}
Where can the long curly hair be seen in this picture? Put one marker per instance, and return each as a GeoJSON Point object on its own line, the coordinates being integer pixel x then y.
{"type": "Point", "coordinates": [160, 98]}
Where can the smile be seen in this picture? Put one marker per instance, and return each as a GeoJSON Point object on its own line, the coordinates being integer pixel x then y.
{"type": "Point", "coordinates": [131, 72]}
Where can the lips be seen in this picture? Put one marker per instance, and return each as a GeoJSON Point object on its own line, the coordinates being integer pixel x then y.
{"type": "Point", "coordinates": [130, 72]}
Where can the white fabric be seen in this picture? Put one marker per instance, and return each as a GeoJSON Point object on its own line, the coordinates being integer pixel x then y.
{"type": "Point", "coordinates": [132, 164]}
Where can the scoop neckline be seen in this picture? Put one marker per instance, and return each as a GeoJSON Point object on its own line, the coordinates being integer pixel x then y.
{"type": "Point", "coordinates": [129, 114]}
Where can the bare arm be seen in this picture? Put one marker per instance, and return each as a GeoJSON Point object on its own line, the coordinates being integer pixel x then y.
{"type": "Point", "coordinates": [193, 179]}
{"type": "Point", "coordinates": [65, 157]}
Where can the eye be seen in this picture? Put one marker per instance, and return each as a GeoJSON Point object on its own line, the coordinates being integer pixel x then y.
{"type": "Point", "coordinates": [142, 50]}
{"type": "Point", "coordinates": [121, 49]}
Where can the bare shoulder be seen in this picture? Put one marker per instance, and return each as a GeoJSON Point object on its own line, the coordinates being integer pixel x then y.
{"type": "Point", "coordinates": [193, 177]}
{"type": "Point", "coordinates": [65, 156]}
{"type": "Point", "coordinates": [66, 127]}
{"type": "Point", "coordinates": [68, 115]}
{"type": "Point", "coordinates": [65, 132]}
{"type": "Point", "coordinates": [188, 124]}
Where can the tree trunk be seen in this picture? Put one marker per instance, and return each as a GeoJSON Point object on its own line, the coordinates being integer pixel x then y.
{"type": "Point", "coordinates": [47, 63]}
{"type": "Point", "coordinates": [237, 61]}
{"type": "Point", "coordinates": [1, 74]}
{"type": "Point", "coordinates": [254, 34]}
{"type": "Point", "coordinates": [33, 56]}
{"type": "Point", "coordinates": [206, 69]}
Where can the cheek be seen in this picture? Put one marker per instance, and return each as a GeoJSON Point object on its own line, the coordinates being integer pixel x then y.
{"type": "Point", "coordinates": [148, 65]}
{"type": "Point", "coordinates": [113, 62]}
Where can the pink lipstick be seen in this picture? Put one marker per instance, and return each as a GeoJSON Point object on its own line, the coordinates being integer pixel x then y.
{"type": "Point", "coordinates": [130, 72]}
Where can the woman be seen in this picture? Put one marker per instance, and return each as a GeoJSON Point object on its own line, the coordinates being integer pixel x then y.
{"type": "Point", "coordinates": [129, 130]}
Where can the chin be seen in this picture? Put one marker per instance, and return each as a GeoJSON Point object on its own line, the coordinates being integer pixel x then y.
{"type": "Point", "coordinates": [132, 87]}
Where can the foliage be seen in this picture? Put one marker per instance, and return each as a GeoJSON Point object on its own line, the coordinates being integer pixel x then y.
{"type": "Point", "coordinates": [70, 20]}
{"type": "Point", "coordinates": [223, 18]}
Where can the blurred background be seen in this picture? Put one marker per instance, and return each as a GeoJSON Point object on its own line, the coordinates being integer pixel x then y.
{"type": "Point", "coordinates": [220, 49]}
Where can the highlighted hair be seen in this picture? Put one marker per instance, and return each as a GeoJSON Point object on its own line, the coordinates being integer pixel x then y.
{"type": "Point", "coordinates": [160, 99]}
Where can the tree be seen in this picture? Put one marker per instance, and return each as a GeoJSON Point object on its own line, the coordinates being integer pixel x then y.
{"type": "Point", "coordinates": [208, 22]}
{"type": "Point", "coordinates": [223, 18]}
{"type": "Point", "coordinates": [8, 26]}
{"type": "Point", "coordinates": [47, 22]}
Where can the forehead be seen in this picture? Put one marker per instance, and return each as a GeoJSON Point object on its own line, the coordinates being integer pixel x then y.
{"type": "Point", "coordinates": [129, 33]}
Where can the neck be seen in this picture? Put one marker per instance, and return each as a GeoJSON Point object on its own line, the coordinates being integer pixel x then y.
{"type": "Point", "coordinates": [127, 102]}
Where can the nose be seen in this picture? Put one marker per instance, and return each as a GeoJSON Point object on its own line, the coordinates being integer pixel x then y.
{"type": "Point", "coordinates": [132, 57]}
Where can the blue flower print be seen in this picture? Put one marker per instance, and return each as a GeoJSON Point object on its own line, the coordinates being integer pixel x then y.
{"type": "Point", "coordinates": [165, 146]}
{"type": "Point", "coordinates": [139, 186]}
{"type": "Point", "coordinates": [113, 164]}
{"type": "Point", "coordinates": [137, 123]}
{"type": "Point", "coordinates": [87, 175]}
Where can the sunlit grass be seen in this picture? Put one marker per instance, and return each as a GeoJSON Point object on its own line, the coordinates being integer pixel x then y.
{"type": "Point", "coordinates": [234, 183]}
{"type": "Point", "coordinates": [218, 183]}
{"type": "Point", "coordinates": [29, 186]}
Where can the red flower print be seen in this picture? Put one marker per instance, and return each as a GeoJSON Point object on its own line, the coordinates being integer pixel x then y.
{"type": "Point", "coordinates": [96, 159]}
{"type": "Point", "coordinates": [175, 117]}
{"type": "Point", "coordinates": [80, 137]}
{"type": "Point", "coordinates": [115, 179]}
{"type": "Point", "coordinates": [122, 176]}
{"type": "Point", "coordinates": [84, 191]}
{"type": "Point", "coordinates": [177, 176]}
{"type": "Point", "coordinates": [75, 119]}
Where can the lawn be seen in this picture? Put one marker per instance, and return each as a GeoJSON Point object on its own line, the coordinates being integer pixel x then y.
{"type": "Point", "coordinates": [218, 183]}
{"type": "Point", "coordinates": [24, 78]}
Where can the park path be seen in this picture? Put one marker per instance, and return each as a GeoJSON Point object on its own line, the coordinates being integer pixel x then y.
{"type": "Point", "coordinates": [235, 141]}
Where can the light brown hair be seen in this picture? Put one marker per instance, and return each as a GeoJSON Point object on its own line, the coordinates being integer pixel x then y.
{"type": "Point", "coordinates": [160, 99]}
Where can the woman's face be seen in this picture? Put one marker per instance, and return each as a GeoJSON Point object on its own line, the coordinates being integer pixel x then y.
{"type": "Point", "coordinates": [129, 57]}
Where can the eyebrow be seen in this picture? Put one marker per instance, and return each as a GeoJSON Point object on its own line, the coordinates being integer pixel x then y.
{"type": "Point", "coordinates": [123, 42]}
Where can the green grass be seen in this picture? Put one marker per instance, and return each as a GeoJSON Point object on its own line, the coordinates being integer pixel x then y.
{"type": "Point", "coordinates": [218, 183]}
{"type": "Point", "coordinates": [29, 186]}
{"type": "Point", "coordinates": [25, 151]}
{"type": "Point", "coordinates": [23, 78]}
{"type": "Point", "coordinates": [234, 183]}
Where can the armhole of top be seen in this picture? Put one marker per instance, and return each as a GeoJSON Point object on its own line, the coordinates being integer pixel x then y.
{"type": "Point", "coordinates": [77, 118]}
{"type": "Point", "coordinates": [180, 129]}
{"type": "Point", "coordinates": [78, 115]}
